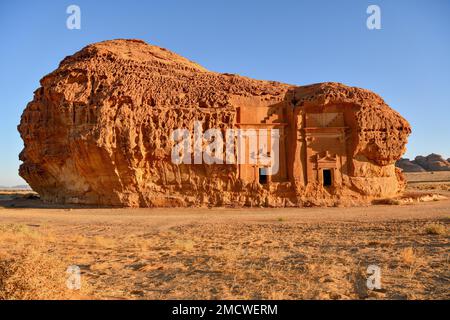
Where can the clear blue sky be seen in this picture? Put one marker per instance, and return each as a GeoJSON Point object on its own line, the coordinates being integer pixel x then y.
{"type": "Point", "coordinates": [407, 62]}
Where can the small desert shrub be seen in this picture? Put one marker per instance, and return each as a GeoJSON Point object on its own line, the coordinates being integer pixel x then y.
{"type": "Point", "coordinates": [32, 275]}
{"type": "Point", "coordinates": [435, 229]}
{"type": "Point", "coordinates": [408, 256]}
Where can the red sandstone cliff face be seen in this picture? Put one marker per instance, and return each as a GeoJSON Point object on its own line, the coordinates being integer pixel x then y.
{"type": "Point", "coordinates": [98, 128]}
{"type": "Point", "coordinates": [380, 132]}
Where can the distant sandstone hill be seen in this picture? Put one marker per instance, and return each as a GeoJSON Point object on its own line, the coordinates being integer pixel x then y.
{"type": "Point", "coordinates": [432, 162]}
{"type": "Point", "coordinates": [17, 187]}
{"type": "Point", "coordinates": [99, 131]}
{"type": "Point", "coordinates": [409, 166]}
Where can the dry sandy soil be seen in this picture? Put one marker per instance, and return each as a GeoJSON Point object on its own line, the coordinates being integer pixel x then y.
{"type": "Point", "coordinates": [310, 253]}
{"type": "Point", "coordinates": [424, 177]}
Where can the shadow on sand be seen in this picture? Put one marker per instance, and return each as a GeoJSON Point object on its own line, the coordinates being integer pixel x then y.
{"type": "Point", "coordinates": [31, 200]}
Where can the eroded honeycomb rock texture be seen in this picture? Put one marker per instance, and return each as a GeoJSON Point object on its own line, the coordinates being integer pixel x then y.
{"type": "Point", "coordinates": [98, 132]}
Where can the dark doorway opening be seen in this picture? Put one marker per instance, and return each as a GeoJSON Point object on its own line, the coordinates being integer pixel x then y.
{"type": "Point", "coordinates": [262, 175]}
{"type": "Point", "coordinates": [327, 177]}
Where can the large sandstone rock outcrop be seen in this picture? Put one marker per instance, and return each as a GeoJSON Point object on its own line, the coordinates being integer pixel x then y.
{"type": "Point", "coordinates": [409, 166]}
{"type": "Point", "coordinates": [432, 162]}
{"type": "Point", "coordinates": [98, 132]}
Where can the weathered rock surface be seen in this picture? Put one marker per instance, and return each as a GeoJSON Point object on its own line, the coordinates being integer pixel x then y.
{"type": "Point", "coordinates": [409, 166]}
{"type": "Point", "coordinates": [432, 162]}
{"type": "Point", "coordinates": [98, 132]}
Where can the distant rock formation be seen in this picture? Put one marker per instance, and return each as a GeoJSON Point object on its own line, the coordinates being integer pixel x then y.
{"type": "Point", "coordinates": [17, 187]}
{"type": "Point", "coordinates": [432, 162]}
{"type": "Point", "coordinates": [99, 131]}
{"type": "Point", "coordinates": [409, 166]}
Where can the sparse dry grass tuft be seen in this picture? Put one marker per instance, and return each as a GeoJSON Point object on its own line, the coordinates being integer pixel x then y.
{"type": "Point", "coordinates": [184, 245]}
{"type": "Point", "coordinates": [408, 256]}
{"type": "Point", "coordinates": [229, 259]}
{"type": "Point", "coordinates": [34, 274]}
{"type": "Point", "coordinates": [16, 229]}
{"type": "Point", "coordinates": [30, 269]}
{"type": "Point", "coordinates": [435, 229]}
{"type": "Point", "coordinates": [104, 242]}
{"type": "Point", "coordinates": [18, 233]}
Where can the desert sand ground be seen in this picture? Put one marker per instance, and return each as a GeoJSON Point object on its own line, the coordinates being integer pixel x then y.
{"type": "Point", "coordinates": [249, 253]}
